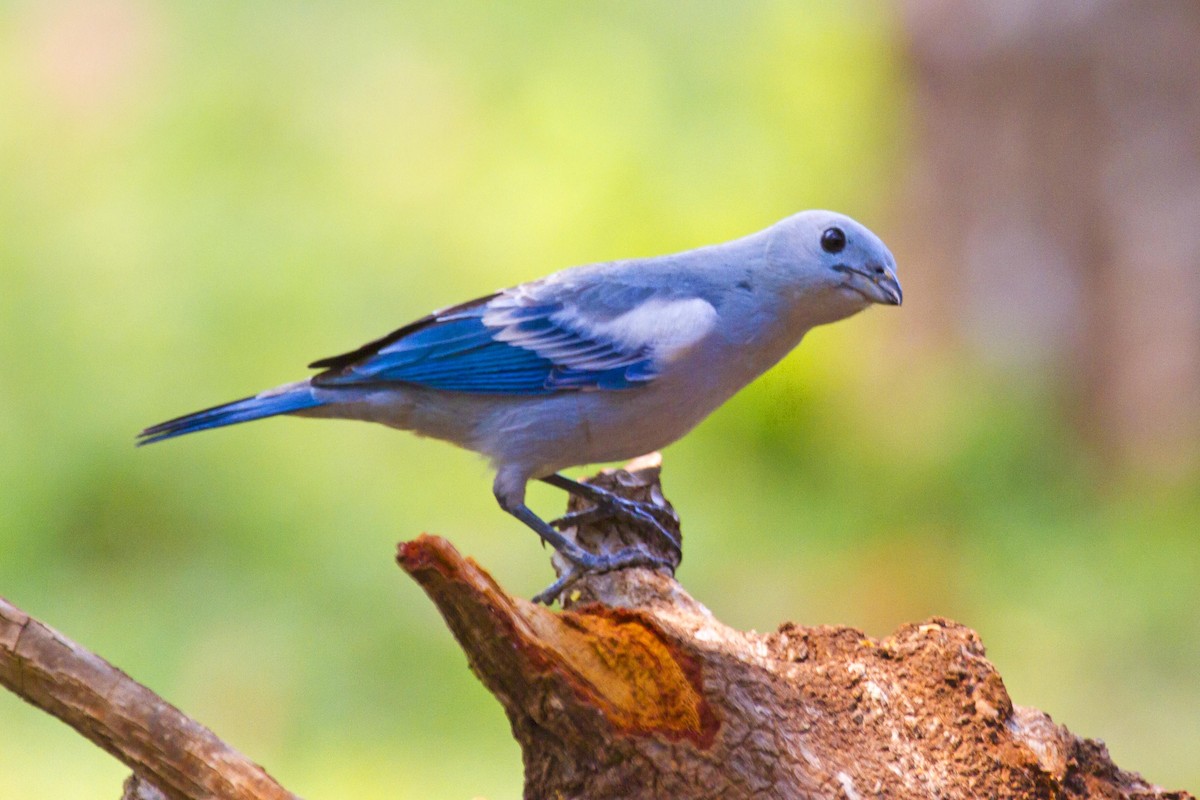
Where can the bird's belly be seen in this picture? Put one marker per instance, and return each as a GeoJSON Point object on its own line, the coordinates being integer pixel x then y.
{"type": "Point", "coordinates": [543, 434]}
{"type": "Point", "coordinates": [623, 427]}
{"type": "Point", "coordinates": [549, 434]}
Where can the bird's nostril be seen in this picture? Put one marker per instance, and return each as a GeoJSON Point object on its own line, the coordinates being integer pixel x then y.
{"type": "Point", "coordinates": [878, 270]}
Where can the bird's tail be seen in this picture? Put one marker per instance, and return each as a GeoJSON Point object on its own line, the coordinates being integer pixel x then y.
{"type": "Point", "coordinates": [284, 400]}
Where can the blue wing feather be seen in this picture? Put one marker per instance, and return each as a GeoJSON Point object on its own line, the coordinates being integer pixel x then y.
{"type": "Point", "coordinates": [507, 343]}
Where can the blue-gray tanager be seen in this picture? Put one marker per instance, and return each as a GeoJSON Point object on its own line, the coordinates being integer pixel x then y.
{"type": "Point", "coordinates": [595, 363]}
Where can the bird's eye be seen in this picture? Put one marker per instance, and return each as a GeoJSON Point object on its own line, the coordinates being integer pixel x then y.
{"type": "Point", "coordinates": [833, 240]}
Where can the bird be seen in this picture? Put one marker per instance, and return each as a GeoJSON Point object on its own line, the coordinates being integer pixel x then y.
{"type": "Point", "coordinates": [594, 363]}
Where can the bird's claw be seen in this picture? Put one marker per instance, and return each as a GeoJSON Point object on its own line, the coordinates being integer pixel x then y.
{"type": "Point", "coordinates": [584, 562]}
{"type": "Point", "coordinates": [582, 517]}
{"type": "Point", "coordinates": [611, 506]}
{"type": "Point", "coordinates": [555, 590]}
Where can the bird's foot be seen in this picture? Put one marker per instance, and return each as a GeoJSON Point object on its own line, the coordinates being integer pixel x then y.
{"type": "Point", "coordinates": [584, 563]}
{"type": "Point", "coordinates": [611, 506]}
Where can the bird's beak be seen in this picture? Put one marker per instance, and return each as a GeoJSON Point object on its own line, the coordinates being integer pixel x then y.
{"type": "Point", "coordinates": [889, 284]}
{"type": "Point", "coordinates": [877, 283]}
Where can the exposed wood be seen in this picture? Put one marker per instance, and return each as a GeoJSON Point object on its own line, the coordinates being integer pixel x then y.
{"type": "Point", "coordinates": [173, 754]}
{"type": "Point", "coordinates": [637, 691]}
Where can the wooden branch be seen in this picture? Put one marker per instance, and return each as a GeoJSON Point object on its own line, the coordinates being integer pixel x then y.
{"type": "Point", "coordinates": [170, 754]}
{"type": "Point", "coordinates": [637, 691]}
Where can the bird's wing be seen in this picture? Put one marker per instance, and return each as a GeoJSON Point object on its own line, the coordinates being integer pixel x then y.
{"type": "Point", "coordinates": [539, 338]}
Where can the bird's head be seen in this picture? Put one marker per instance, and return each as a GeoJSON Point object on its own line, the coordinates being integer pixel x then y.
{"type": "Point", "coordinates": [838, 265]}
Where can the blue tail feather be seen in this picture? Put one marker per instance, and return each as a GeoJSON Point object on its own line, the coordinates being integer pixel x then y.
{"type": "Point", "coordinates": [244, 410]}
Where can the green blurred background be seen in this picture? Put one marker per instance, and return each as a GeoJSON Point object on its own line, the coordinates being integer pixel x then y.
{"type": "Point", "coordinates": [196, 199]}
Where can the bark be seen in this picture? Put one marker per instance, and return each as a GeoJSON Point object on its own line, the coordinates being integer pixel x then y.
{"type": "Point", "coordinates": [171, 755]}
{"type": "Point", "coordinates": [635, 690]}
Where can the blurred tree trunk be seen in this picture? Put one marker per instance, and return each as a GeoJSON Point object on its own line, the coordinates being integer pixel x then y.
{"type": "Point", "coordinates": [1056, 204]}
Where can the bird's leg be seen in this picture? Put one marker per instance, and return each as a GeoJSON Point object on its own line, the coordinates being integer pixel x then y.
{"type": "Point", "coordinates": [571, 551]}
{"type": "Point", "coordinates": [582, 561]}
{"type": "Point", "coordinates": [608, 505]}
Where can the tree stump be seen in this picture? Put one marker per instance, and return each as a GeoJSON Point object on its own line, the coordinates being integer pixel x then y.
{"type": "Point", "coordinates": [635, 690]}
